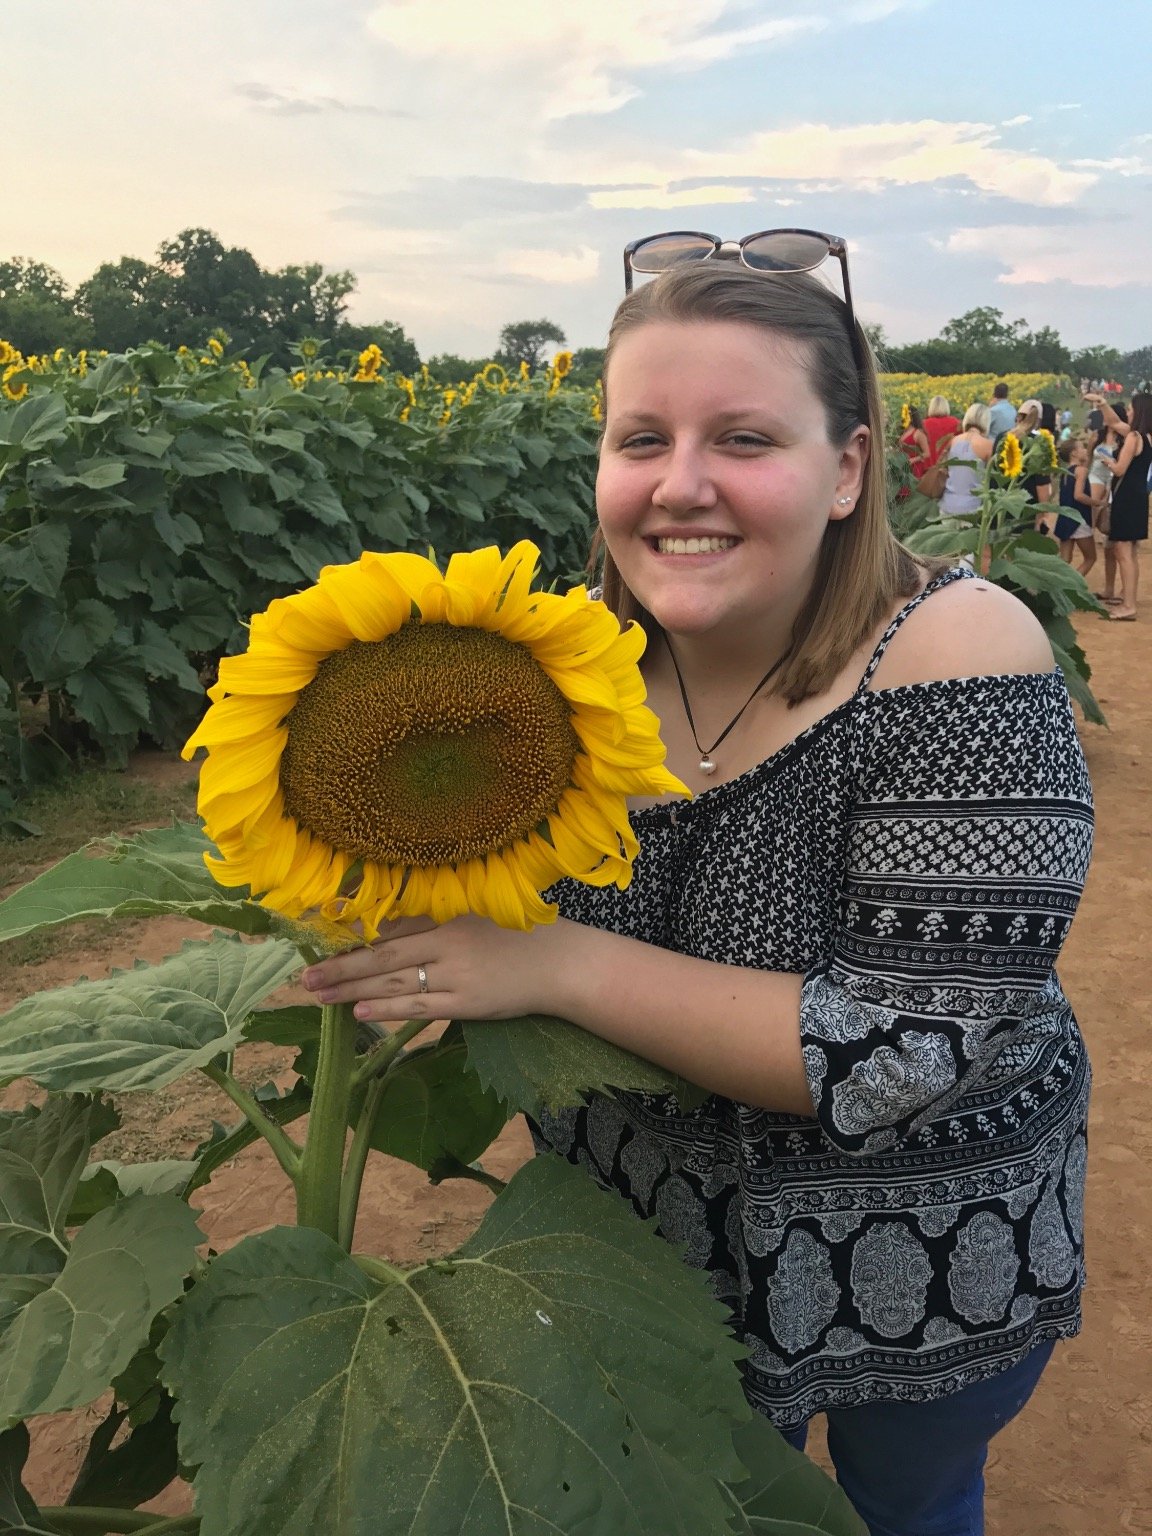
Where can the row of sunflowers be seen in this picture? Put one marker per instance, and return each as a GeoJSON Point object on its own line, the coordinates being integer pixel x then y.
{"type": "Point", "coordinates": [961, 390]}
{"type": "Point", "coordinates": [151, 501]}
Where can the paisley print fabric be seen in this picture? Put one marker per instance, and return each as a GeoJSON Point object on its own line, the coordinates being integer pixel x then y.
{"type": "Point", "coordinates": [917, 855]}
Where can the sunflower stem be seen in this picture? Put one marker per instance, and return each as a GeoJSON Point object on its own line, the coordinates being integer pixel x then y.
{"type": "Point", "coordinates": [322, 1166]}
{"type": "Point", "coordinates": [377, 1062]}
{"type": "Point", "coordinates": [286, 1151]}
{"type": "Point", "coordinates": [357, 1161]}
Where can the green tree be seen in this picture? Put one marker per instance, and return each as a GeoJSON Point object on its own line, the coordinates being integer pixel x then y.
{"type": "Point", "coordinates": [1136, 367]}
{"type": "Point", "coordinates": [123, 303]}
{"type": "Point", "coordinates": [1098, 363]}
{"type": "Point", "coordinates": [36, 313]}
{"type": "Point", "coordinates": [587, 366]}
{"type": "Point", "coordinates": [208, 286]}
{"type": "Point", "coordinates": [392, 339]}
{"type": "Point", "coordinates": [524, 341]}
{"type": "Point", "coordinates": [450, 368]}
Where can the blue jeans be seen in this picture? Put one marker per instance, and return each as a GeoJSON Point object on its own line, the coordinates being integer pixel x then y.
{"type": "Point", "coordinates": [917, 1469]}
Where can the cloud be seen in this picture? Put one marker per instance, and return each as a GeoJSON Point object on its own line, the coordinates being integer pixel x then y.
{"type": "Point", "coordinates": [1057, 255]}
{"type": "Point", "coordinates": [583, 59]}
{"type": "Point", "coordinates": [291, 104]}
{"type": "Point", "coordinates": [1016, 122]}
{"type": "Point", "coordinates": [579, 266]}
{"type": "Point", "coordinates": [871, 156]}
{"type": "Point", "coordinates": [662, 197]}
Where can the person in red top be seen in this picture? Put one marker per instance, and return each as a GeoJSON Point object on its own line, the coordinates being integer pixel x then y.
{"type": "Point", "coordinates": [915, 443]}
{"type": "Point", "coordinates": [939, 425]}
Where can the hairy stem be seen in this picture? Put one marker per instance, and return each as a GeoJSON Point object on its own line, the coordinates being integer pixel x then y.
{"type": "Point", "coordinates": [287, 1152]}
{"type": "Point", "coordinates": [378, 1061]}
{"type": "Point", "coordinates": [322, 1165]}
{"type": "Point", "coordinates": [357, 1161]}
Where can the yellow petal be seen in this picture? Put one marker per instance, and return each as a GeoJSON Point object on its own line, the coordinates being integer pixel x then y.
{"type": "Point", "coordinates": [234, 719]}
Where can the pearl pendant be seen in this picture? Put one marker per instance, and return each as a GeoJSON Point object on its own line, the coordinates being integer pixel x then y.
{"type": "Point", "coordinates": [707, 765]}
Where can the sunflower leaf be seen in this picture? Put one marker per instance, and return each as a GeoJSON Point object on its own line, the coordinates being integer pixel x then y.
{"type": "Point", "coordinates": [434, 1111]}
{"type": "Point", "coordinates": [785, 1493]}
{"type": "Point", "coordinates": [154, 873]}
{"type": "Point", "coordinates": [62, 1346]}
{"type": "Point", "coordinates": [18, 1512]}
{"type": "Point", "coordinates": [145, 1027]}
{"type": "Point", "coordinates": [537, 1063]}
{"type": "Point", "coordinates": [503, 1389]}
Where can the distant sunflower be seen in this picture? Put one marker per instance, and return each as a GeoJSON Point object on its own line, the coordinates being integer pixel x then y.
{"type": "Point", "coordinates": [905, 416]}
{"type": "Point", "coordinates": [562, 364]}
{"type": "Point", "coordinates": [1010, 460]}
{"type": "Point", "coordinates": [1050, 459]}
{"type": "Point", "coordinates": [397, 741]}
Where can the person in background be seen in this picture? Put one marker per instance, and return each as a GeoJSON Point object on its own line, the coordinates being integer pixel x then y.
{"type": "Point", "coordinates": [940, 427]}
{"type": "Point", "coordinates": [915, 443]}
{"type": "Point", "coordinates": [973, 448]}
{"type": "Point", "coordinates": [1129, 516]}
{"type": "Point", "coordinates": [1074, 526]}
{"type": "Point", "coordinates": [1039, 487]}
{"type": "Point", "coordinates": [1003, 412]}
{"type": "Point", "coordinates": [1101, 444]}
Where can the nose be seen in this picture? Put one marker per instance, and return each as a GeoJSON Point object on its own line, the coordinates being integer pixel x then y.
{"type": "Point", "coordinates": [685, 483]}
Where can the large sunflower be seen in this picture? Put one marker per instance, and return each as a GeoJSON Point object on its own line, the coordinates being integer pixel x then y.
{"type": "Point", "coordinates": [397, 741]}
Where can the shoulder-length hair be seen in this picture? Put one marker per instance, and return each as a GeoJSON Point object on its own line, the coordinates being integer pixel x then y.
{"type": "Point", "coordinates": [862, 570]}
{"type": "Point", "coordinates": [1141, 418]}
{"type": "Point", "coordinates": [938, 406]}
{"type": "Point", "coordinates": [977, 415]}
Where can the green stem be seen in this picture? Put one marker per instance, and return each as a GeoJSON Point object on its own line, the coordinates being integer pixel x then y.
{"type": "Point", "coordinates": [379, 1060]}
{"type": "Point", "coordinates": [357, 1161]}
{"type": "Point", "coordinates": [379, 1269]}
{"type": "Point", "coordinates": [476, 1176]}
{"type": "Point", "coordinates": [86, 1520]}
{"type": "Point", "coordinates": [287, 1152]}
{"type": "Point", "coordinates": [322, 1165]}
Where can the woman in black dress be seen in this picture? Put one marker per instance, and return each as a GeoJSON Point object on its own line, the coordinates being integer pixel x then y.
{"type": "Point", "coordinates": [1129, 525]}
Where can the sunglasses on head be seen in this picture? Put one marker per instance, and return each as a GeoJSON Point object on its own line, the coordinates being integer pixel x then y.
{"type": "Point", "coordinates": [768, 251]}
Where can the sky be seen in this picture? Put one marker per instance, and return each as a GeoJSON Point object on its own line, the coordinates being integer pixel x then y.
{"type": "Point", "coordinates": [476, 162]}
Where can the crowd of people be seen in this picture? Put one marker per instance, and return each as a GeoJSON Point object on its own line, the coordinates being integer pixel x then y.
{"type": "Point", "coordinates": [1096, 502]}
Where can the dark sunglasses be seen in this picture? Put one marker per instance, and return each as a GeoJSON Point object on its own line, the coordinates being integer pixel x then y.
{"type": "Point", "coordinates": [770, 250]}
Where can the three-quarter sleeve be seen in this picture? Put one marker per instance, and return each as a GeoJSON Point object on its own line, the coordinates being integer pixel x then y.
{"type": "Point", "coordinates": [966, 853]}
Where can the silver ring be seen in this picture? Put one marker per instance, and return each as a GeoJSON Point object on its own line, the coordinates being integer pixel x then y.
{"type": "Point", "coordinates": [422, 976]}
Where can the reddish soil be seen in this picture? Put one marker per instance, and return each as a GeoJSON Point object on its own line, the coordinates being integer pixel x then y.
{"type": "Point", "coordinates": [1075, 1462]}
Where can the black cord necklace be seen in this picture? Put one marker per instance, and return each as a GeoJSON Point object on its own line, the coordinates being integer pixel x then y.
{"type": "Point", "coordinates": [707, 762]}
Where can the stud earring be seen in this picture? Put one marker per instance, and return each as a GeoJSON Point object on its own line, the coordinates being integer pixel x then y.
{"type": "Point", "coordinates": [842, 501]}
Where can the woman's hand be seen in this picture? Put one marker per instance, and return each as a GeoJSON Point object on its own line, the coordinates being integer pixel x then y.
{"type": "Point", "coordinates": [473, 969]}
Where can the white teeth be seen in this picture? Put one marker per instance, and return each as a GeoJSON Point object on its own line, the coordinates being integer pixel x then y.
{"type": "Point", "coordinates": [694, 546]}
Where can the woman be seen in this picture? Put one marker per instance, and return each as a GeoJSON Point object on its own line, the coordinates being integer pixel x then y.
{"type": "Point", "coordinates": [940, 426]}
{"type": "Point", "coordinates": [1073, 529]}
{"type": "Point", "coordinates": [1128, 526]}
{"type": "Point", "coordinates": [973, 449]}
{"type": "Point", "coordinates": [1039, 487]}
{"type": "Point", "coordinates": [914, 442]}
{"type": "Point", "coordinates": [847, 937]}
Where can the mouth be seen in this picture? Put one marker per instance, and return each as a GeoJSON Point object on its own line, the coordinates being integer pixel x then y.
{"type": "Point", "coordinates": [709, 545]}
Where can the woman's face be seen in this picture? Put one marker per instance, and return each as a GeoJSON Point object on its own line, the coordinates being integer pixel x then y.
{"type": "Point", "coordinates": [717, 479]}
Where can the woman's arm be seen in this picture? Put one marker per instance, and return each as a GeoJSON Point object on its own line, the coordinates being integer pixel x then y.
{"type": "Point", "coordinates": [1129, 448]}
{"type": "Point", "coordinates": [733, 1030]}
{"type": "Point", "coordinates": [1111, 419]}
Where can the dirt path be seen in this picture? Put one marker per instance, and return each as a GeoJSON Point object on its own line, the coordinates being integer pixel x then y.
{"type": "Point", "coordinates": [1074, 1464]}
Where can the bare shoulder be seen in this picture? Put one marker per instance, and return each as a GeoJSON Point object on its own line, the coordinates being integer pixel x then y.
{"type": "Point", "coordinates": [969, 628]}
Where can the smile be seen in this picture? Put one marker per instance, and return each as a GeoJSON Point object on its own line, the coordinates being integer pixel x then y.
{"type": "Point", "coordinates": [709, 546]}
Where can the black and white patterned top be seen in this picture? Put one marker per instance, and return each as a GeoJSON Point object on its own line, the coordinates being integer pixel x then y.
{"type": "Point", "coordinates": [917, 854]}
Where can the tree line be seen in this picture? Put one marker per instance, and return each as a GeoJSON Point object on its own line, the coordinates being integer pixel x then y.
{"type": "Point", "coordinates": [196, 286]}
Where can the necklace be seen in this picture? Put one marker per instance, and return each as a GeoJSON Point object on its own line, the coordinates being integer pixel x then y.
{"type": "Point", "coordinates": [707, 762]}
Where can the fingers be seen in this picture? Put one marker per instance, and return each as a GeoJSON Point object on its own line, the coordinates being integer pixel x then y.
{"type": "Point", "coordinates": [331, 979]}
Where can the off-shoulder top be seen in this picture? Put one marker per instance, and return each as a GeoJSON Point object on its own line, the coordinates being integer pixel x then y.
{"type": "Point", "coordinates": [917, 855]}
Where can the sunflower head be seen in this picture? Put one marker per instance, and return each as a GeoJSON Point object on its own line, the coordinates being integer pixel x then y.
{"type": "Point", "coordinates": [905, 416]}
{"type": "Point", "coordinates": [562, 364]}
{"type": "Point", "coordinates": [1010, 459]}
{"type": "Point", "coordinates": [401, 741]}
{"type": "Point", "coordinates": [1050, 459]}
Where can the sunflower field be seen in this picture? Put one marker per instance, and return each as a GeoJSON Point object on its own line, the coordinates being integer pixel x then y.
{"type": "Point", "coordinates": [964, 389]}
{"type": "Point", "coordinates": [149, 502]}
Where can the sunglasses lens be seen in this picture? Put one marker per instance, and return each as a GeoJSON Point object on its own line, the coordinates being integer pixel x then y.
{"type": "Point", "coordinates": [664, 251]}
{"type": "Point", "coordinates": [785, 251]}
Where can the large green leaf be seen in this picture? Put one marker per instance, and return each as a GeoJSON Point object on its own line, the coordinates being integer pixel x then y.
{"type": "Point", "coordinates": [66, 1344]}
{"type": "Point", "coordinates": [111, 692]}
{"type": "Point", "coordinates": [143, 1028]}
{"type": "Point", "coordinates": [154, 873]}
{"type": "Point", "coordinates": [204, 619]}
{"type": "Point", "coordinates": [35, 423]}
{"type": "Point", "coordinates": [58, 641]}
{"type": "Point", "coordinates": [18, 1513]}
{"type": "Point", "coordinates": [136, 1468]}
{"type": "Point", "coordinates": [785, 1493]}
{"type": "Point", "coordinates": [435, 1112]}
{"type": "Point", "coordinates": [500, 1391]}
{"type": "Point", "coordinates": [42, 1156]}
{"type": "Point", "coordinates": [536, 1063]}
{"type": "Point", "coordinates": [38, 556]}
{"type": "Point", "coordinates": [106, 1182]}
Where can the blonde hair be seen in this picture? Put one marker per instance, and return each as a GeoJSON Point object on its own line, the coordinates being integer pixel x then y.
{"type": "Point", "coordinates": [861, 568]}
{"type": "Point", "coordinates": [938, 406]}
{"type": "Point", "coordinates": [1028, 416]}
{"type": "Point", "coordinates": [977, 415]}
